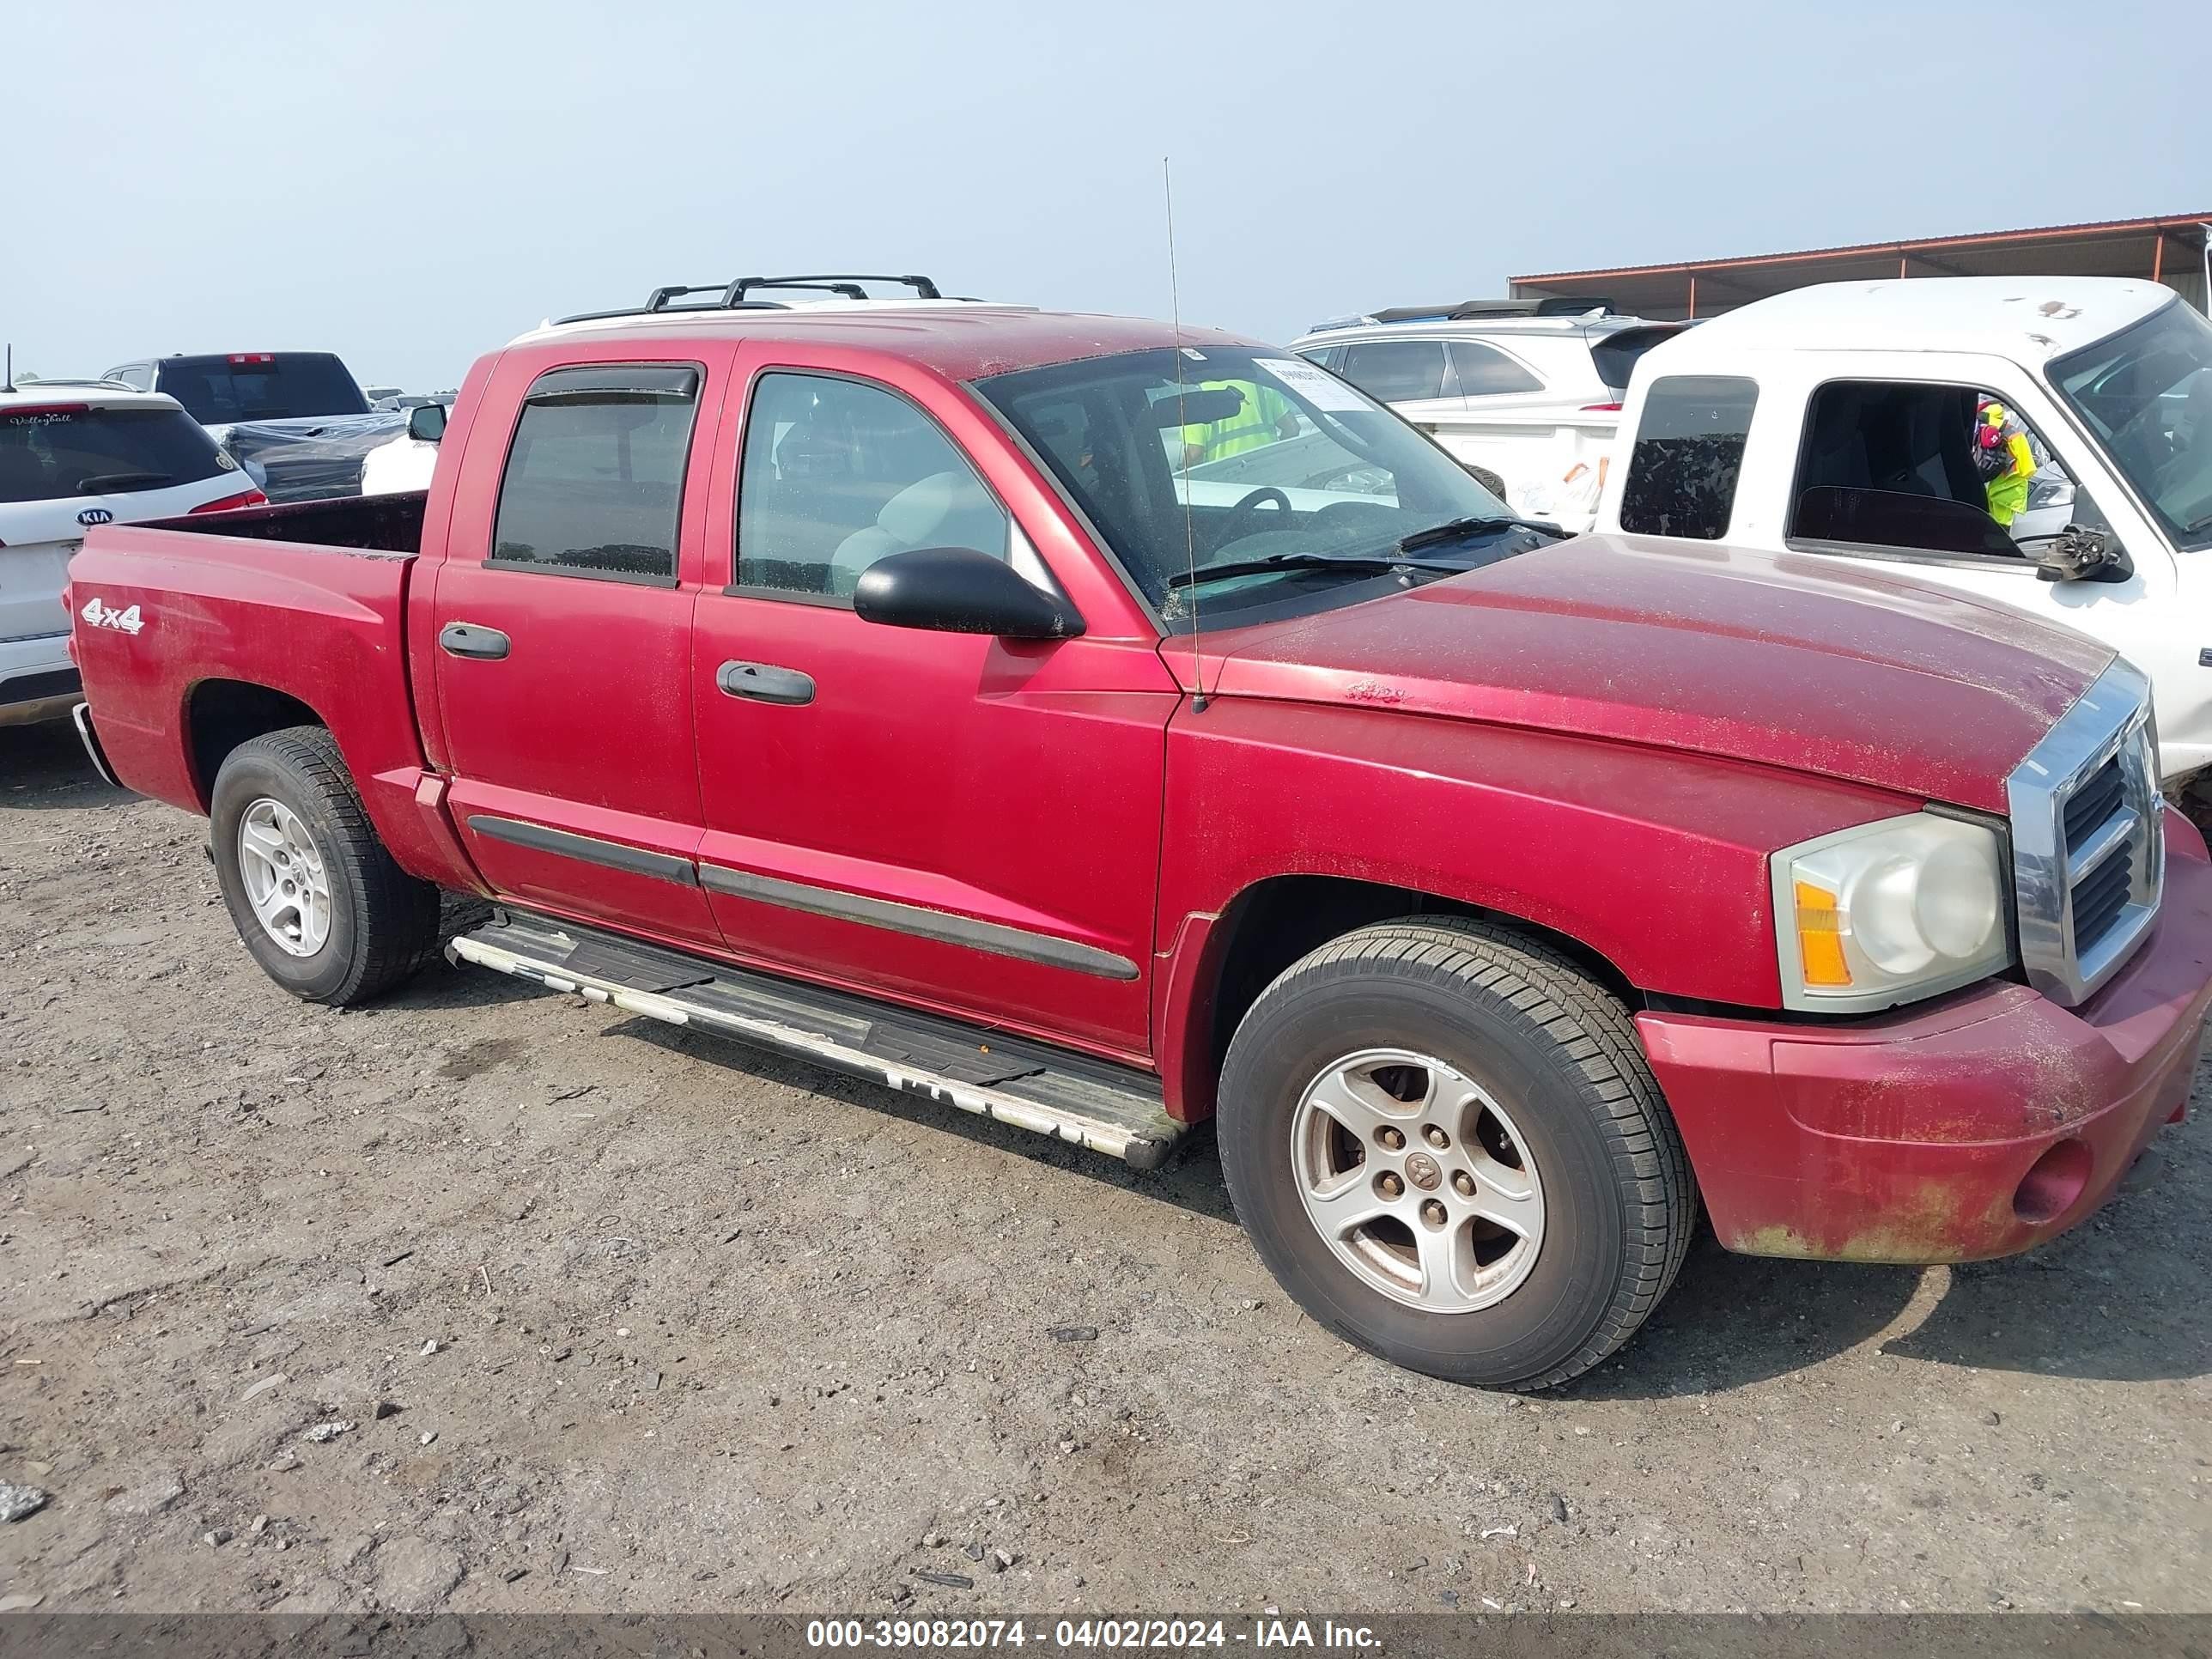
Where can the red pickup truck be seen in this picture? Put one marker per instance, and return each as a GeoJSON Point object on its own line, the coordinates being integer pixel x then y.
{"type": "Point", "coordinates": [1102, 725]}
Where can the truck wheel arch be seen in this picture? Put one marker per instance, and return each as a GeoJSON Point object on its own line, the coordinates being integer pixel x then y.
{"type": "Point", "coordinates": [220, 714]}
{"type": "Point", "coordinates": [1275, 922]}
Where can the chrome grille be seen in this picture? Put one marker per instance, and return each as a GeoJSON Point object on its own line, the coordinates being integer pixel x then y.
{"type": "Point", "coordinates": [2088, 839]}
{"type": "Point", "coordinates": [2101, 794]}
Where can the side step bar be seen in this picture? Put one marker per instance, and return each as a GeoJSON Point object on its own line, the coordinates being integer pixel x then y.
{"type": "Point", "coordinates": [1109, 1108]}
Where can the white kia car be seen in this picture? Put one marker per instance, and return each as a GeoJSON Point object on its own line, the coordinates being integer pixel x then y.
{"type": "Point", "coordinates": [73, 454]}
{"type": "Point", "coordinates": [1521, 389]}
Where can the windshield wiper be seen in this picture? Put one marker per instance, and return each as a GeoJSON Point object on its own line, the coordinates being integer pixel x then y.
{"type": "Point", "coordinates": [101, 483]}
{"type": "Point", "coordinates": [1457, 529]}
{"type": "Point", "coordinates": [1382, 564]}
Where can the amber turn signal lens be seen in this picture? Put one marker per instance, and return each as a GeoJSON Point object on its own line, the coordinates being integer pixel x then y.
{"type": "Point", "coordinates": [1821, 936]}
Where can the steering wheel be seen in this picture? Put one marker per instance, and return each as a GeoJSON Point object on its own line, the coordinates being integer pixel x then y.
{"type": "Point", "coordinates": [1234, 530]}
{"type": "Point", "coordinates": [2141, 435]}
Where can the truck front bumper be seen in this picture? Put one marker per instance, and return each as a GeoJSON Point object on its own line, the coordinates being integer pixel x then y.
{"type": "Point", "coordinates": [1976, 1127]}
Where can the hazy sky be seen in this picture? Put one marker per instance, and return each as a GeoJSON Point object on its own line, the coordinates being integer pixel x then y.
{"type": "Point", "coordinates": [410, 184]}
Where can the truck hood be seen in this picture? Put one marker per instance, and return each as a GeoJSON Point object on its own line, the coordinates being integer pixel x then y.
{"type": "Point", "coordinates": [1784, 660]}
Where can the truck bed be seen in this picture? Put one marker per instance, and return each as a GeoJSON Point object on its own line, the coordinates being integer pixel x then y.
{"type": "Point", "coordinates": [184, 627]}
{"type": "Point", "coordinates": [379, 524]}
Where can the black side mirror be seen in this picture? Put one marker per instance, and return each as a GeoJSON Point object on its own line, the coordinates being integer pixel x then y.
{"type": "Point", "coordinates": [2080, 553]}
{"type": "Point", "coordinates": [426, 423]}
{"type": "Point", "coordinates": [957, 590]}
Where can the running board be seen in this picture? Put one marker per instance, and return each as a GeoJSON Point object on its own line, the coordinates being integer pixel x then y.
{"type": "Point", "coordinates": [1109, 1108]}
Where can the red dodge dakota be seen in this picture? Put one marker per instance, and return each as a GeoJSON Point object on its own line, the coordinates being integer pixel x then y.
{"type": "Point", "coordinates": [1102, 725]}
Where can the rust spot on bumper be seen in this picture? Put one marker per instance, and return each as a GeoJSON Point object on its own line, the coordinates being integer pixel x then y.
{"type": "Point", "coordinates": [1936, 1221]}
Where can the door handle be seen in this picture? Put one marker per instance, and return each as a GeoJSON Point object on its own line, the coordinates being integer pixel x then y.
{"type": "Point", "coordinates": [460, 639]}
{"type": "Point", "coordinates": [759, 682]}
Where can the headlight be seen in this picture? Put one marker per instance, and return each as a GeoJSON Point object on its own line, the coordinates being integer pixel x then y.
{"type": "Point", "coordinates": [1888, 912]}
{"type": "Point", "coordinates": [2049, 492]}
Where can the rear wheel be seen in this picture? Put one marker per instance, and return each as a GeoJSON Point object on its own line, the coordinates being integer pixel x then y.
{"type": "Point", "coordinates": [1446, 1145]}
{"type": "Point", "coordinates": [310, 888]}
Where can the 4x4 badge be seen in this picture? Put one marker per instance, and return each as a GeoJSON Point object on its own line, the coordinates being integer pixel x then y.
{"type": "Point", "coordinates": [100, 614]}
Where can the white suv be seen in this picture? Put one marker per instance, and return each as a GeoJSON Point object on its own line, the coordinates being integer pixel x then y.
{"type": "Point", "coordinates": [73, 454]}
{"type": "Point", "coordinates": [1516, 388]}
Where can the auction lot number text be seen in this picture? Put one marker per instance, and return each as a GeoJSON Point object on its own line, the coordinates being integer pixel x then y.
{"type": "Point", "coordinates": [1082, 1633]}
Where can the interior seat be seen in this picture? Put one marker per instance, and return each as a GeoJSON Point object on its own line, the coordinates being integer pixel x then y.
{"type": "Point", "coordinates": [945, 509]}
{"type": "Point", "coordinates": [1837, 456]}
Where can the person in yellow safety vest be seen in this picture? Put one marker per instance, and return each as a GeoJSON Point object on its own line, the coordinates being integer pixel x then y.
{"type": "Point", "coordinates": [2005, 460]}
{"type": "Point", "coordinates": [1266, 418]}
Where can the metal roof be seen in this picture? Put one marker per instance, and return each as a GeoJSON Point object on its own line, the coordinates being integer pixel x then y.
{"type": "Point", "coordinates": [2167, 248]}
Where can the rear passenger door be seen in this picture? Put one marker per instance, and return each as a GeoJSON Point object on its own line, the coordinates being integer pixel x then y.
{"type": "Point", "coordinates": [1413, 376]}
{"type": "Point", "coordinates": [1509, 423]}
{"type": "Point", "coordinates": [563, 612]}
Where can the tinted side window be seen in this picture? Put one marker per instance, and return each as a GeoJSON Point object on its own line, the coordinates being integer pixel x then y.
{"type": "Point", "coordinates": [1689, 453]}
{"type": "Point", "coordinates": [1396, 371]}
{"type": "Point", "coordinates": [594, 480]}
{"type": "Point", "coordinates": [1484, 372]}
{"type": "Point", "coordinates": [838, 474]}
{"type": "Point", "coordinates": [1617, 354]}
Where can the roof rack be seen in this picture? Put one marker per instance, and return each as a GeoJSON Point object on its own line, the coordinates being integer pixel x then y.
{"type": "Point", "coordinates": [1471, 310]}
{"type": "Point", "coordinates": [107, 380]}
{"type": "Point", "coordinates": [734, 296]}
{"type": "Point", "coordinates": [848, 287]}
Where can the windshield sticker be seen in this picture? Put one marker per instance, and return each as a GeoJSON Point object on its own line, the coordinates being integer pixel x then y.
{"type": "Point", "coordinates": [1315, 385]}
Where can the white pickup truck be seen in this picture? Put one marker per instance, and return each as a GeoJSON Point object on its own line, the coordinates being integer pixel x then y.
{"type": "Point", "coordinates": [1839, 421]}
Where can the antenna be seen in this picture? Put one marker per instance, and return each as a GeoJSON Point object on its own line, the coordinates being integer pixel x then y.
{"type": "Point", "coordinates": [8, 374]}
{"type": "Point", "coordinates": [1189, 532]}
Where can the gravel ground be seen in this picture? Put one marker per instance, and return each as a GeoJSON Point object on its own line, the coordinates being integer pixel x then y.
{"type": "Point", "coordinates": [612, 1316]}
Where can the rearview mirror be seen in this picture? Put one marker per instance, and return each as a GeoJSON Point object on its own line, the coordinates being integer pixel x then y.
{"type": "Point", "coordinates": [426, 423]}
{"type": "Point", "coordinates": [957, 590]}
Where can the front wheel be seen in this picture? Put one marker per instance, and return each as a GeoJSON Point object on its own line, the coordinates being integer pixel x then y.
{"type": "Point", "coordinates": [1447, 1146]}
{"type": "Point", "coordinates": [310, 888]}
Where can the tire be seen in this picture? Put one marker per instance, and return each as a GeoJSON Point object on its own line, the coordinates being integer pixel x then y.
{"type": "Point", "coordinates": [2194, 801]}
{"type": "Point", "coordinates": [376, 925]}
{"type": "Point", "coordinates": [1600, 1203]}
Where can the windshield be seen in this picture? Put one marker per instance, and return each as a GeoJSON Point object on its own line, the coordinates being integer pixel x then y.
{"type": "Point", "coordinates": [1211, 458]}
{"type": "Point", "coordinates": [261, 386]}
{"type": "Point", "coordinates": [2146, 394]}
{"type": "Point", "coordinates": [54, 452]}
